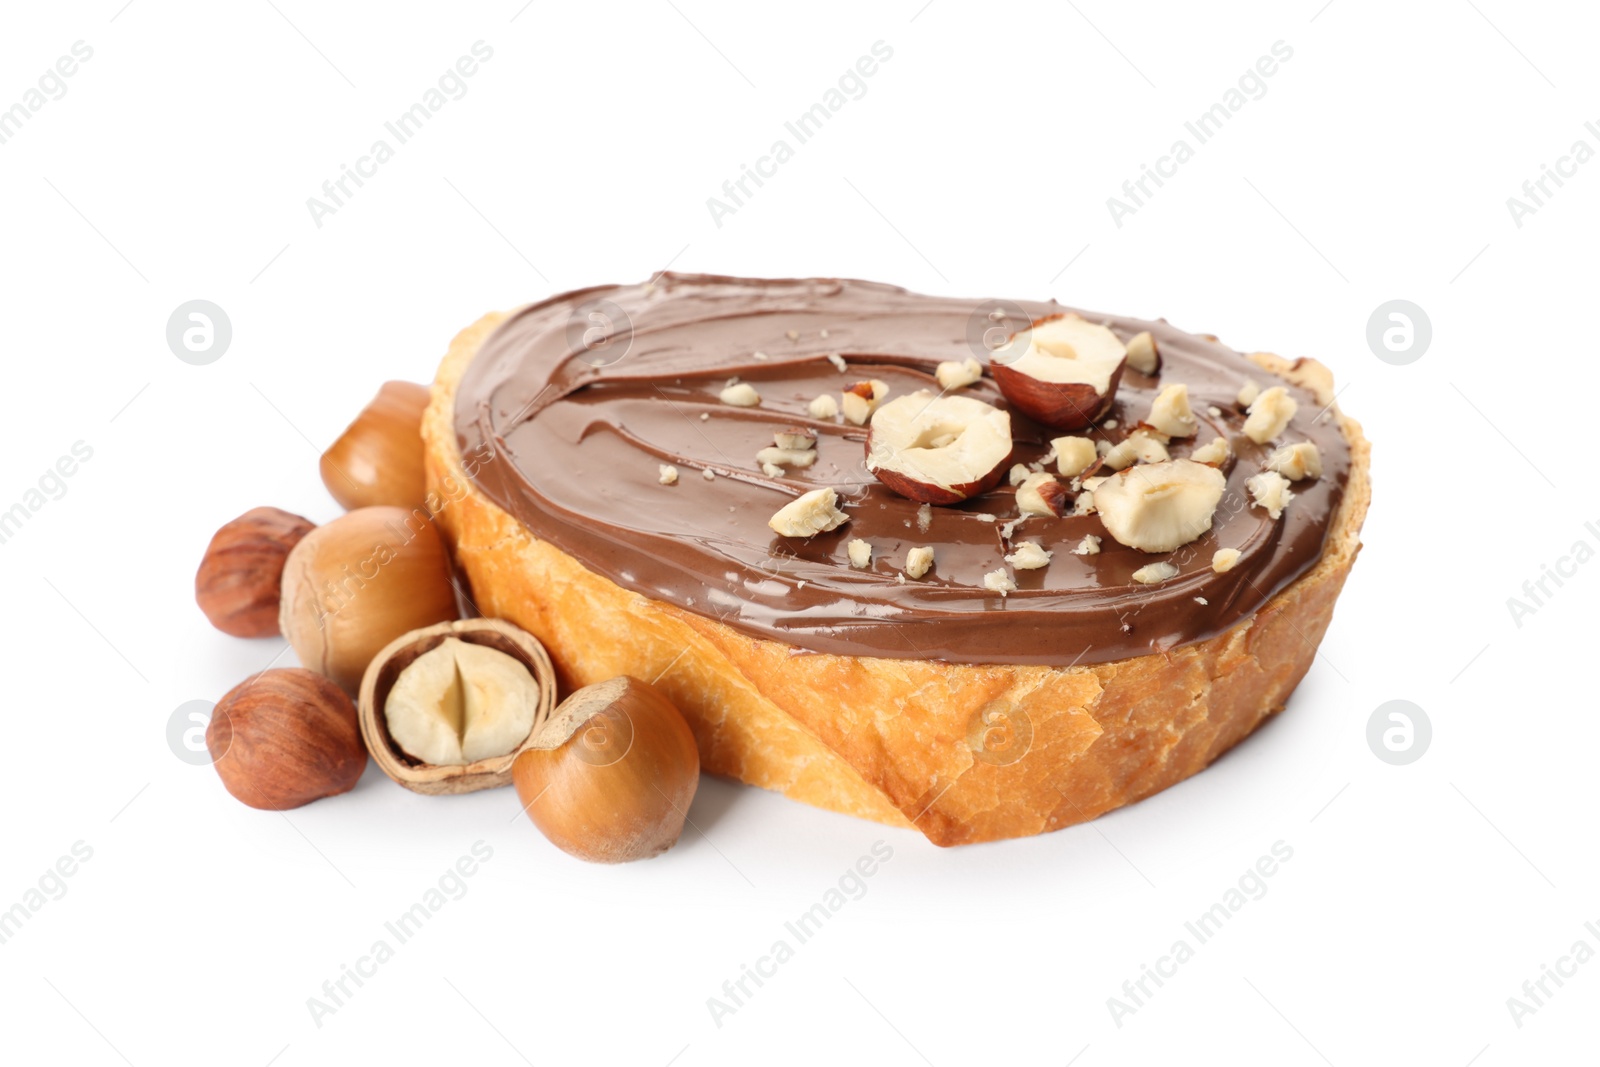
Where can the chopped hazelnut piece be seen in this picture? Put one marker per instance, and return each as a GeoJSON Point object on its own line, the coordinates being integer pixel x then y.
{"type": "Point", "coordinates": [1269, 414]}
{"type": "Point", "coordinates": [1109, 424]}
{"type": "Point", "coordinates": [1296, 462]}
{"type": "Point", "coordinates": [1270, 490]}
{"type": "Point", "coordinates": [860, 400]}
{"type": "Point", "coordinates": [1084, 505]}
{"type": "Point", "coordinates": [999, 581]}
{"type": "Point", "coordinates": [1152, 573]}
{"type": "Point", "coordinates": [1042, 494]}
{"type": "Point", "coordinates": [1224, 560]}
{"type": "Point", "coordinates": [823, 407]}
{"type": "Point", "coordinates": [1202, 601]}
{"type": "Point", "coordinates": [919, 561]}
{"type": "Point", "coordinates": [860, 553]}
{"type": "Point", "coordinates": [705, 415]}
{"type": "Point", "coordinates": [1248, 392]}
{"type": "Point", "coordinates": [668, 474]}
{"type": "Point", "coordinates": [1029, 556]}
{"type": "Point", "coordinates": [1214, 411]}
{"type": "Point", "coordinates": [1141, 446]}
{"type": "Point", "coordinates": [795, 438]}
{"type": "Point", "coordinates": [742, 395]}
{"type": "Point", "coordinates": [1018, 474]}
{"type": "Point", "coordinates": [838, 362]}
{"type": "Point", "coordinates": [793, 335]}
{"type": "Point", "coordinates": [1214, 453]}
{"type": "Point", "coordinates": [1074, 455]}
{"type": "Point", "coordinates": [809, 514]}
{"type": "Point", "coordinates": [708, 474]}
{"type": "Point", "coordinates": [1089, 546]}
{"type": "Point", "coordinates": [1170, 412]}
{"type": "Point", "coordinates": [762, 356]}
{"type": "Point", "coordinates": [1143, 355]}
{"type": "Point", "coordinates": [772, 470]}
{"type": "Point", "coordinates": [953, 375]}
{"type": "Point", "coordinates": [1160, 506]}
{"type": "Point", "coordinates": [924, 520]}
{"type": "Point", "coordinates": [787, 457]}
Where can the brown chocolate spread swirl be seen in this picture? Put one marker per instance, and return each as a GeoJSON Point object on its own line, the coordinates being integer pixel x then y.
{"type": "Point", "coordinates": [578, 400]}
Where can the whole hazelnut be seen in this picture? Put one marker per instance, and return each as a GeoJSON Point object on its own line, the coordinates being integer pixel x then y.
{"type": "Point", "coordinates": [240, 576]}
{"type": "Point", "coordinates": [354, 584]}
{"type": "Point", "coordinates": [378, 458]}
{"type": "Point", "coordinates": [284, 738]}
{"type": "Point", "coordinates": [609, 777]}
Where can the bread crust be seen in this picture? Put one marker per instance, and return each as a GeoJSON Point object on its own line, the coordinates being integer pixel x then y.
{"type": "Point", "coordinates": [892, 739]}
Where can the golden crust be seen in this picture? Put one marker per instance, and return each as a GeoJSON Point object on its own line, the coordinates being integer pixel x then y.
{"type": "Point", "coordinates": [891, 739]}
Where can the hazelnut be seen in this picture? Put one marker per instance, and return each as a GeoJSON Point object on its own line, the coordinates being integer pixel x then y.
{"type": "Point", "coordinates": [953, 375]}
{"type": "Point", "coordinates": [938, 449]}
{"type": "Point", "coordinates": [241, 575]}
{"type": "Point", "coordinates": [1160, 506]}
{"type": "Point", "coordinates": [1043, 494]}
{"type": "Point", "coordinates": [446, 709]}
{"type": "Point", "coordinates": [1067, 376]}
{"type": "Point", "coordinates": [1270, 413]}
{"type": "Point", "coordinates": [740, 395]}
{"type": "Point", "coordinates": [1170, 412]}
{"type": "Point", "coordinates": [609, 777]}
{"type": "Point", "coordinates": [919, 561]}
{"type": "Point", "coordinates": [284, 738]}
{"type": "Point", "coordinates": [860, 400]}
{"type": "Point", "coordinates": [1074, 456]}
{"type": "Point", "coordinates": [1144, 355]}
{"type": "Point", "coordinates": [1029, 556]}
{"type": "Point", "coordinates": [357, 583]}
{"type": "Point", "coordinates": [809, 514]}
{"type": "Point", "coordinates": [378, 458]}
{"type": "Point", "coordinates": [459, 703]}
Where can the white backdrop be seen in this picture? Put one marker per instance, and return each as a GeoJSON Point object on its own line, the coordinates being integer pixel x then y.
{"type": "Point", "coordinates": [1374, 164]}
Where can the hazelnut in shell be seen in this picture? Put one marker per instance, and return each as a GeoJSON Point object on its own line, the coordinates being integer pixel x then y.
{"type": "Point", "coordinates": [609, 777]}
{"type": "Point", "coordinates": [401, 691]}
{"type": "Point", "coordinates": [284, 738]}
{"type": "Point", "coordinates": [354, 584]}
{"type": "Point", "coordinates": [378, 458]}
{"type": "Point", "coordinates": [238, 583]}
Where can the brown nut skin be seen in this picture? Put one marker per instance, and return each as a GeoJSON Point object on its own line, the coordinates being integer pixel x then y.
{"type": "Point", "coordinates": [928, 493]}
{"type": "Point", "coordinates": [241, 574]}
{"type": "Point", "coordinates": [378, 458]}
{"type": "Point", "coordinates": [354, 584]}
{"type": "Point", "coordinates": [284, 738]}
{"type": "Point", "coordinates": [1061, 406]}
{"type": "Point", "coordinates": [611, 773]}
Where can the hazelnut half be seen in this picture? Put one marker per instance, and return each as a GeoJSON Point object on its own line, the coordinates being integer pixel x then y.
{"type": "Point", "coordinates": [498, 699]}
{"type": "Point", "coordinates": [241, 575]}
{"type": "Point", "coordinates": [938, 449]}
{"type": "Point", "coordinates": [284, 738]}
{"type": "Point", "coordinates": [355, 584]}
{"type": "Point", "coordinates": [610, 776]}
{"type": "Point", "coordinates": [1067, 376]}
{"type": "Point", "coordinates": [378, 458]}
